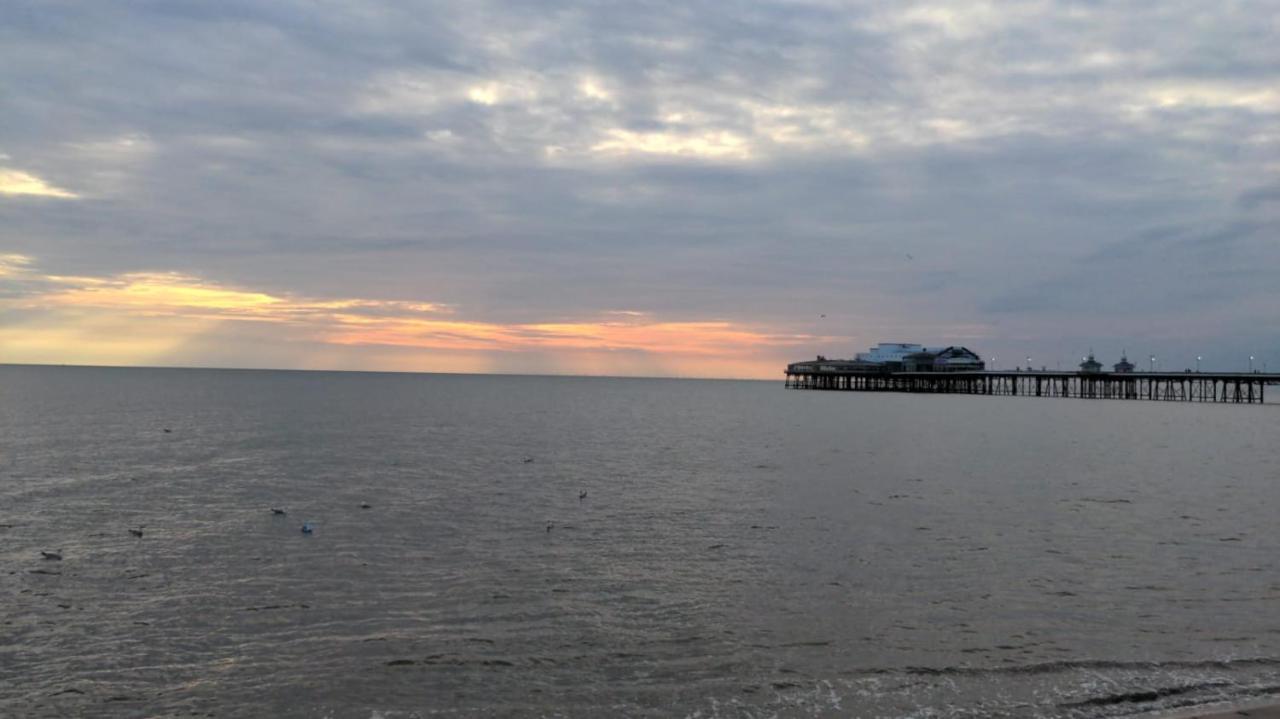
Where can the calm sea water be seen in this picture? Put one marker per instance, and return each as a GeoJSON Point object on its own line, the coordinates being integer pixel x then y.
{"type": "Point", "coordinates": [741, 551]}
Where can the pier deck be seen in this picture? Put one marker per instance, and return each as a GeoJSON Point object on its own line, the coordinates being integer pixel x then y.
{"type": "Point", "coordinates": [1241, 388]}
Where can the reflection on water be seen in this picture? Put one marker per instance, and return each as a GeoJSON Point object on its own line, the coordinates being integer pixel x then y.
{"type": "Point", "coordinates": [742, 550]}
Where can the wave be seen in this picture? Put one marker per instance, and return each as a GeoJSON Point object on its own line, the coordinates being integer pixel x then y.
{"type": "Point", "coordinates": [1081, 664]}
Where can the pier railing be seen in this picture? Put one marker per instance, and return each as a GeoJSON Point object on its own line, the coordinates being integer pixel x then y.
{"type": "Point", "coordinates": [1243, 388]}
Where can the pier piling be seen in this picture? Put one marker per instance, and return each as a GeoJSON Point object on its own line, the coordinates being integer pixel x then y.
{"type": "Point", "coordinates": [1235, 388]}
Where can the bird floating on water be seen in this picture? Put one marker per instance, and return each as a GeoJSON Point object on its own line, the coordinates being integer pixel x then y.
{"type": "Point", "coordinates": [582, 495]}
{"type": "Point", "coordinates": [366, 505]}
{"type": "Point", "coordinates": [550, 526]}
{"type": "Point", "coordinates": [55, 556]}
{"type": "Point", "coordinates": [136, 532]}
{"type": "Point", "coordinates": [167, 430]}
{"type": "Point", "coordinates": [307, 528]}
{"type": "Point", "coordinates": [278, 511]}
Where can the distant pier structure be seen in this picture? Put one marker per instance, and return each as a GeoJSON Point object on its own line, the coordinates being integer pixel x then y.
{"type": "Point", "coordinates": [896, 367]}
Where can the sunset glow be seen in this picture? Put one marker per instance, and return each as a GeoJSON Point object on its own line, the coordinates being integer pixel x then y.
{"type": "Point", "coordinates": [147, 317]}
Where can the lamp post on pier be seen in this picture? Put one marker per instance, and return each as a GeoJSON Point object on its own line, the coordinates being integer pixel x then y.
{"type": "Point", "coordinates": [1198, 358]}
{"type": "Point", "coordinates": [1153, 363]}
{"type": "Point", "coordinates": [1250, 364]}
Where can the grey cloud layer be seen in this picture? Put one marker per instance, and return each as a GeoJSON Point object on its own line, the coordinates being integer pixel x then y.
{"type": "Point", "coordinates": [1038, 161]}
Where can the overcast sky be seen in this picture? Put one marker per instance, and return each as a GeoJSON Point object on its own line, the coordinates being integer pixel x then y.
{"type": "Point", "coordinates": [650, 188]}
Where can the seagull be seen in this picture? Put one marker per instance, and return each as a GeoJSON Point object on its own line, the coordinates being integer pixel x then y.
{"type": "Point", "coordinates": [55, 556]}
{"type": "Point", "coordinates": [582, 495]}
{"type": "Point", "coordinates": [909, 257]}
{"type": "Point", "coordinates": [136, 532]}
{"type": "Point", "coordinates": [549, 527]}
{"type": "Point", "coordinates": [307, 528]}
{"type": "Point", "coordinates": [167, 430]}
{"type": "Point", "coordinates": [365, 505]}
{"type": "Point", "coordinates": [277, 511]}
{"type": "Point", "coordinates": [528, 460]}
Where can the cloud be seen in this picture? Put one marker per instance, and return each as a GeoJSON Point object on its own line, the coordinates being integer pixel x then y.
{"type": "Point", "coordinates": [16, 182]}
{"type": "Point", "coordinates": [756, 165]}
{"type": "Point", "coordinates": [12, 265]}
{"type": "Point", "coordinates": [1217, 296]}
{"type": "Point", "coordinates": [1259, 196]}
{"type": "Point", "coordinates": [709, 144]}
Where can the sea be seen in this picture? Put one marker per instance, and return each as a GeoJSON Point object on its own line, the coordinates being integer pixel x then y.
{"type": "Point", "coordinates": [508, 546]}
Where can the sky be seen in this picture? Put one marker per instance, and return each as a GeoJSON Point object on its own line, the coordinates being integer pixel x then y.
{"type": "Point", "coordinates": [693, 189]}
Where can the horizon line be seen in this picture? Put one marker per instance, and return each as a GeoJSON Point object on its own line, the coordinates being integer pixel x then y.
{"type": "Point", "coordinates": [376, 371]}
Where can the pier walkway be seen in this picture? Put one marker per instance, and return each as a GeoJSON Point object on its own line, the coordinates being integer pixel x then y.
{"type": "Point", "coordinates": [1244, 388]}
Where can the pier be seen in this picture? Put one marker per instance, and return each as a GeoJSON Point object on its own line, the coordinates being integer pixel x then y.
{"type": "Point", "coordinates": [1239, 388]}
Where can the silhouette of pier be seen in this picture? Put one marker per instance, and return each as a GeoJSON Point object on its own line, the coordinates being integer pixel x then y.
{"type": "Point", "coordinates": [1238, 388]}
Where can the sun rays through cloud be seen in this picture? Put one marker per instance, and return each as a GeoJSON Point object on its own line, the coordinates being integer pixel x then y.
{"type": "Point", "coordinates": [149, 317]}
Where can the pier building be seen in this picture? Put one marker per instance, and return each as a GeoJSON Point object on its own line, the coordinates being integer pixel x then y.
{"type": "Point", "coordinates": [906, 357]}
{"type": "Point", "coordinates": [1090, 365]}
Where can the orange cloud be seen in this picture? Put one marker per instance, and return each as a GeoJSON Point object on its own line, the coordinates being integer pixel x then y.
{"type": "Point", "coordinates": [677, 338]}
{"type": "Point", "coordinates": [154, 316]}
